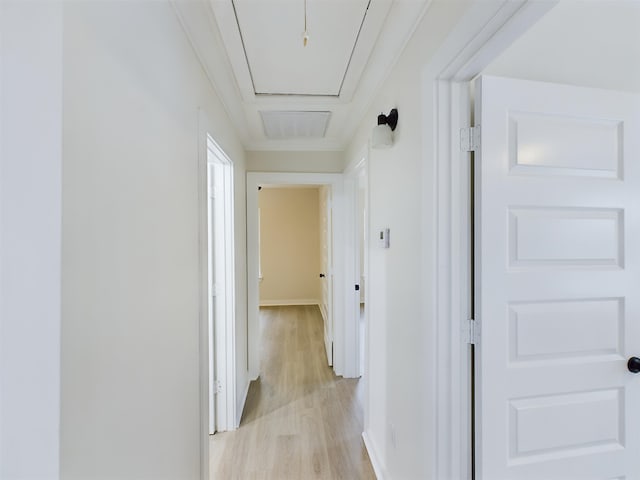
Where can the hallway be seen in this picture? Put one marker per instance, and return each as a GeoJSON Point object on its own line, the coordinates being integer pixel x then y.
{"type": "Point", "coordinates": [300, 420]}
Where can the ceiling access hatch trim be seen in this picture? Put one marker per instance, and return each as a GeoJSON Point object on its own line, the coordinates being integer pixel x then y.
{"type": "Point", "coordinates": [355, 44]}
{"type": "Point", "coordinates": [289, 125]}
{"type": "Point", "coordinates": [244, 47]}
{"type": "Point", "coordinates": [288, 75]}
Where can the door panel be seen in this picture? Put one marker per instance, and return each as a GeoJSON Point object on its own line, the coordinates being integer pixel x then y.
{"type": "Point", "coordinates": [557, 279]}
{"type": "Point", "coordinates": [326, 282]}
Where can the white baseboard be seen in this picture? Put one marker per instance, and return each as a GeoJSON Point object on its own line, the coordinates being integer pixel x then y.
{"type": "Point", "coordinates": [240, 408]}
{"type": "Point", "coordinates": [378, 468]}
{"type": "Point", "coordinates": [286, 303]}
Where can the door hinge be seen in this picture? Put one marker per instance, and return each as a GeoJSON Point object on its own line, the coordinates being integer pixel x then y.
{"type": "Point", "coordinates": [357, 288]}
{"type": "Point", "coordinates": [471, 332]}
{"type": "Point", "coordinates": [470, 139]}
{"type": "Point", "coordinates": [218, 385]}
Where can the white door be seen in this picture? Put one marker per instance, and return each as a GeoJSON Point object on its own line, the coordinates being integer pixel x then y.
{"type": "Point", "coordinates": [557, 282]}
{"type": "Point", "coordinates": [361, 242]}
{"type": "Point", "coordinates": [326, 273]}
{"type": "Point", "coordinates": [211, 220]}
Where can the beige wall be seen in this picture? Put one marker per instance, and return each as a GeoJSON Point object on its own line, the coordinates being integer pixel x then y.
{"type": "Point", "coordinates": [303, 162]}
{"type": "Point", "coordinates": [289, 246]}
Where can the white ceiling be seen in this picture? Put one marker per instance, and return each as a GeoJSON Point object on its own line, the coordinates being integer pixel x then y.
{"type": "Point", "coordinates": [254, 55]}
{"type": "Point", "coordinates": [278, 60]}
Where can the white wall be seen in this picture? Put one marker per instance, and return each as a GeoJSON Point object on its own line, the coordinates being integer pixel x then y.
{"type": "Point", "coordinates": [130, 360]}
{"type": "Point", "coordinates": [592, 44]}
{"type": "Point", "coordinates": [30, 225]}
{"type": "Point", "coordinates": [401, 425]}
{"type": "Point", "coordinates": [301, 162]}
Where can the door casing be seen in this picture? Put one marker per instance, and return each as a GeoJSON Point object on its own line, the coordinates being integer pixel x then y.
{"type": "Point", "coordinates": [484, 32]}
{"type": "Point", "coordinates": [356, 175]}
{"type": "Point", "coordinates": [226, 417]}
{"type": "Point", "coordinates": [340, 319]}
{"type": "Point", "coordinates": [221, 266]}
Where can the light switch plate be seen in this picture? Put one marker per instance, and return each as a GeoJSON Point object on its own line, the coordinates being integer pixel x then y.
{"type": "Point", "coordinates": [383, 238]}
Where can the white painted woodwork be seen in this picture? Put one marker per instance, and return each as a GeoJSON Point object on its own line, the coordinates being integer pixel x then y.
{"type": "Point", "coordinates": [581, 146]}
{"type": "Point", "coordinates": [212, 306]}
{"type": "Point", "coordinates": [548, 237]}
{"type": "Point", "coordinates": [356, 181]}
{"type": "Point", "coordinates": [557, 273]}
{"type": "Point", "coordinates": [335, 183]}
{"type": "Point", "coordinates": [221, 287]}
{"type": "Point", "coordinates": [326, 267]}
{"type": "Point", "coordinates": [566, 329]}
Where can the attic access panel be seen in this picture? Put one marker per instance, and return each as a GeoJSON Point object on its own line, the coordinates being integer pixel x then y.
{"type": "Point", "coordinates": [279, 63]}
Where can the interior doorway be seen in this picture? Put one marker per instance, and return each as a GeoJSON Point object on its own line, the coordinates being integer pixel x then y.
{"type": "Point", "coordinates": [295, 252]}
{"type": "Point", "coordinates": [339, 323]}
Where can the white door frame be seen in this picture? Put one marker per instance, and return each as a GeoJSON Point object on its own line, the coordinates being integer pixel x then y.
{"type": "Point", "coordinates": [353, 173]}
{"type": "Point", "coordinates": [226, 354]}
{"type": "Point", "coordinates": [486, 30]}
{"type": "Point", "coordinates": [222, 385]}
{"type": "Point", "coordinates": [335, 180]}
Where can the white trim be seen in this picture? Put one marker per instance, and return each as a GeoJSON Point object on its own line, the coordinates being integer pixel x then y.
{"type": "Point", "coordinates": [352, 326]}
{"type": "Point", "coordinates": [289, 302]}
{"type": "Point", "coordinates": [226, 416]}
{"type": "Point", "coordinates": [356, 171]}
{"type": "Point", "coordinates": [482, 34]}
{"type": "Point", "coordinates": [199, 26]}
{"type": "Point", "coordinates": [240, 411]}
{"type": "Point", "coordinates": [224, 350]}
{"type": "Point", "coordinates": [378, 467]}
{"type": "Point", "coordinates": [335, 180]}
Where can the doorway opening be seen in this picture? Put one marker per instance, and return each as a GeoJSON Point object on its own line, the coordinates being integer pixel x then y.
{"type": "Point", "coordinates": [339, 320]}
{"type": "Point", "coordinates": [221, 291]}
{"type": "Point", "coordinates": [295, 251]}
{"type": "Point", "coordinates": [297, 405]}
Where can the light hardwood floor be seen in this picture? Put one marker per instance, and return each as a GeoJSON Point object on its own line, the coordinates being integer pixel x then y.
{"type": "Point", "coordinates": [300, 420]}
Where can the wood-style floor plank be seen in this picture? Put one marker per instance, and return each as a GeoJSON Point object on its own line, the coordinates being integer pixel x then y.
{"type": "Point", "coordinates": [300, 421]}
